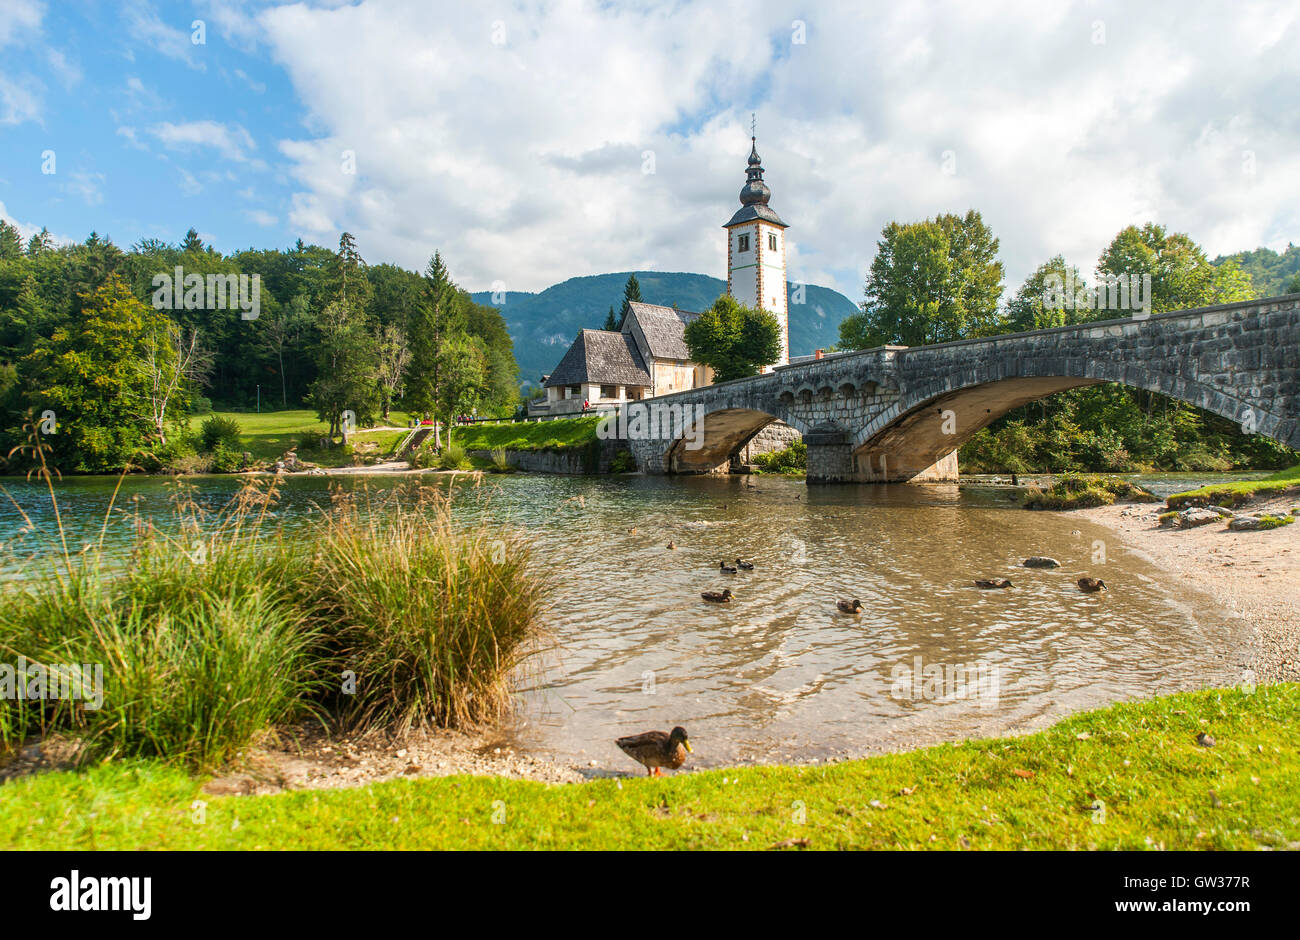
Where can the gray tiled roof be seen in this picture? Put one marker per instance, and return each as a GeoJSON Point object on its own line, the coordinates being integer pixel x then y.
{"type": "Point", "coordinates": [603, 357]}
{"type": "Point", "coordinates": [663, 328]}
{"type": "Point", "coordinates": [756, 211]}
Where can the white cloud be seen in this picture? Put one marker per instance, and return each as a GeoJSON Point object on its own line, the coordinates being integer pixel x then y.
{"type": "Point", "coordinates": [522, 161]}
{"type": "Point", "coordinates": [20, 100]}
{"type": "Point", "coordinates": [230, 141]}
{"type": "Point", "coordinates": [86, 184]}
{"type": "Point", "coordinates": [147, 27]}
{"type": "Point", "coordinates": [261, 217]}
{"type": "Point", "coordinates": [21, 17]}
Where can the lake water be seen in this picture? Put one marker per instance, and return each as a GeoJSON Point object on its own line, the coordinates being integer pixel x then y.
{"type": "Point", "coordinates": [780, 674]}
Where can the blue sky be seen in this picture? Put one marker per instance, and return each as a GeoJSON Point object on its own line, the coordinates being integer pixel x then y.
{"type": "Point", "coordinates": [515, 138]}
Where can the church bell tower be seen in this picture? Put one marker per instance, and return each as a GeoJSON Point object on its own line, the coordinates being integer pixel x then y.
{"type": "Point", "coordinates": [756, 251]}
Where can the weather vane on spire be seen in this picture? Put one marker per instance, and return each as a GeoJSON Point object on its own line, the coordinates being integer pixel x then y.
{"type": "Point", "coordinates": [753, 125]}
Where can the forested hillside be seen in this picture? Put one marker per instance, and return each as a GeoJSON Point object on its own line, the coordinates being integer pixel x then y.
{"type": "Point", "coordinates": [544, 324]}
{"type": "Point", "coordinates": [87, 334]}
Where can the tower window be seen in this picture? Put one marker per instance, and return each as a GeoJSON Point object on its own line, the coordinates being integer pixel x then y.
{"type": "Point", "coordinates": [771, 241]}
{"type": "Point", "coordinates": [742, 243]}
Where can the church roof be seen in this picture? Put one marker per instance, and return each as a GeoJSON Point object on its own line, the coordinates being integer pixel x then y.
{"type": "Point", "coordinates": [601, 356]}
{"type": "Point", "coordinates": [663, 328]}
{"type": "Point", "coordinates": [755, 194]}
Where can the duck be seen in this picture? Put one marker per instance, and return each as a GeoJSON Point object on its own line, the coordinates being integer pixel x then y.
{"type": "Point", "coordinates": [744, 565]}
{"type": "Point", "coordinates": [726, 568]}
{"type": "Point", "coordinates": [1092, 585]}
{"type": "Point", "coordinates": [1041, 561]}
{"type": "Point", "coordinates": [992, 583]}
{"type": "Point", "coordinates": [853, 607]}
{"type": "Point", "coordinates": [672, 545]}
{"type": "Point", "coordinates": [713, 597]}
{"type": "Point", "coordinates": [655, 750]}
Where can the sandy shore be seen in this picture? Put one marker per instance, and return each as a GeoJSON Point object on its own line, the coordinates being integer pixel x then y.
{"type": "Point", "coordinates": [1255, 575]}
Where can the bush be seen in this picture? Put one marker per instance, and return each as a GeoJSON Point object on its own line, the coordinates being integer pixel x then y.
{"type": "Point", "coordinates": [219, 431]}
{"type": "Point", "coordinates": [791, 460]}
{"type": "Point", "coordinates": [623, 462]}
{"type": "Point", "coordinates": [201, 406]}
{"type": "Point", "coordinates": [500, 461]}
{"type": "Point", "coordinates": [1079, 492]}
{"type": "Point", "coordinates": [218, 631]}
{"type": "Point", "coordinates": [454, 457]}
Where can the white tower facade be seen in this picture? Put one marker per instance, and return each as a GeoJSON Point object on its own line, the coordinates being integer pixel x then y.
{"type": "Point", "coordinates": [756, 252]}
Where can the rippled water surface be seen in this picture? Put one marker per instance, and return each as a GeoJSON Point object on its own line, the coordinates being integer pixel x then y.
{"type": "Point", "coordinates": [779, 673]}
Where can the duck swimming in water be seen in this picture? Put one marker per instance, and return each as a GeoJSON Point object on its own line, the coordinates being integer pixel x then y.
{"type": "Point", "coordinates": [713, 597]}
{"type": "Point", "coordinates": [992, 583]}
{"type": "Point", "coordinates": [726, 568]}
{"type": "Point", "coordinates": [744, 565]}
{"type": "Point", "coordinates": [1092, 585]}
{"type": "Point", "coordinates": [853, 607]}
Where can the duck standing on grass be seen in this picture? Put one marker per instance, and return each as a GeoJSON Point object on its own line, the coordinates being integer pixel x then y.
{"type": "Point", "coordinates": [655, 750]}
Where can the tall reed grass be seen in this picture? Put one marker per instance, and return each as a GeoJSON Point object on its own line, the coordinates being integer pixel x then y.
{"type": "Point", "coordinates": [379, 614]}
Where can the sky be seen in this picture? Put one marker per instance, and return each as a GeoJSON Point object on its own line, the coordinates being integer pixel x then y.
{"type": "Point", "coordinates": [531, 142]}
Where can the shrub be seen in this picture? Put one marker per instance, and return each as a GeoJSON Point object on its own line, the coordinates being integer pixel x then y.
{"type": "Point", "coordinates": [623, 462]}
{"type": "Point", "coordinates": [218, 630]}
{"type": "Point", "coordinates": [791, 460]}
{"type": "Point", "coordinates": [1079, 492]}
{"type": "Point", "coordinates": [454, 457]}
{"type": "Point", "coordinates": [500, 463]}
{"type": "Point", "coordinates": [217, 430]}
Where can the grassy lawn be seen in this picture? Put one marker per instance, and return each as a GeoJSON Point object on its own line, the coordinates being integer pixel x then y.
{"type": "Point", "coordinates": [531, 435]}
{"type": "Point", "coordinates": [1235, 494]}
{"type": "Point", "coordinates": [1159, 787]}
{"type": "Point", "coordinates": [269, 434]}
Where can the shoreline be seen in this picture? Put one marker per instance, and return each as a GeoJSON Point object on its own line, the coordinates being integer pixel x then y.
{"type": "Point", "coordinates": [1253, 576]}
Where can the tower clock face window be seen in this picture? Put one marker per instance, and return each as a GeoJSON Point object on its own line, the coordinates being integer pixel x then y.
{"type": "Point", "coordinates": [771, 241]}
{"type": "Point", "coordinates": [742, 243]}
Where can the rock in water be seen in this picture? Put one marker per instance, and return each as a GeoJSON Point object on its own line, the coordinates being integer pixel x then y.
{"type": "Point", "coordinates": [1041, 561]}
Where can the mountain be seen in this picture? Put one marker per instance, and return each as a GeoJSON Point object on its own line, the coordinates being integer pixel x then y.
{"type": "Point", "coordinates": [543, 324]}
{"type": "Point", "coordinates": [1271, 273]}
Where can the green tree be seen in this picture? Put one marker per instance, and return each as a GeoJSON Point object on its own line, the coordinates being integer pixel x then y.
{"type": "Point", "coordinates": [1030, 308]}
{"type": "Point", "coordinates": [1181, 275]}
{"type": "Point", "coordinates": [631, 295]}
{"type": "Point", "coordinates": [92, 375]}
{"type": "Point", "coordinates": [439, 314]}
{"type": "Point", "coordinates": [192, 243]}
{"type": "Point", "coordinates": [11, 243]}
{"type": "Point", "coordinates": [462, 377]}
{"type": "Point", "coordinates": [734, 340]}
{"type": "Point", "coordinates": [346, 363]}
{"type": "Point", "coordinates": [930, 282]}
{"type": "Point", "coordinates": [611, 322]}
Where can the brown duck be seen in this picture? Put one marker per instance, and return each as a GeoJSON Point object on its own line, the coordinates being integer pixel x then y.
{"type": "Point", "coordinates": [657, 749]}
{"type": "Point", "coordinates": [714, 597]}
{"type": "Point", "coordinates": [1092, 585]}
{"type": "Point", "coordinates": [853, 607]}
{"type": "Point", "coordinates": [989, 584]}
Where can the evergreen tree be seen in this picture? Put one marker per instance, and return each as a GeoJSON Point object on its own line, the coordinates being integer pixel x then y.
{"type": "Point", "coordinates": [11, 243]}
{"type": "Point", "coordinates": [631, 295]}
{"type": "Point", "coordinates": [438, 316]}
{"type": "Point", "coordinates": [192, 242]}
{"type": "Point", "coordinates": [611, 322]}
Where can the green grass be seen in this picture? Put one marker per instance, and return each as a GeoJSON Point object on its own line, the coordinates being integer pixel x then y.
{"type": "Point", "coordinates": [531, 435]}
{"type": "Point", "coordinates": [1237, 493]}
{"type": "Point", "coordinates": [1072, 491]}
{"type": "Point", "coordinates": [1160, 789]}
{"type": "Point", "coordinates": [269, 434]}
{"type": "Point", "coordinates": [223, 626]}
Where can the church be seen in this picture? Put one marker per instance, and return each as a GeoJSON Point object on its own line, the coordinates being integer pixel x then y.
{"type": "Point", "coordinates": [648, 355]}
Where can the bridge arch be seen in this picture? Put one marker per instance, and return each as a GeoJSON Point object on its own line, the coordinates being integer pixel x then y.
{"type": "Point", "coordinates": [708, 442]}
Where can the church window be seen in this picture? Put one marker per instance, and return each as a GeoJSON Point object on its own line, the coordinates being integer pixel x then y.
{"type": "Point", "coordinates": [743, 243]}
{"type": "Point", "coordinates": [771, 241]}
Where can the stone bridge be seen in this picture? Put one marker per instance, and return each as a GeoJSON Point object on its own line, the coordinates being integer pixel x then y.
{"type": "Point", "coordinates": [899, 413]}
